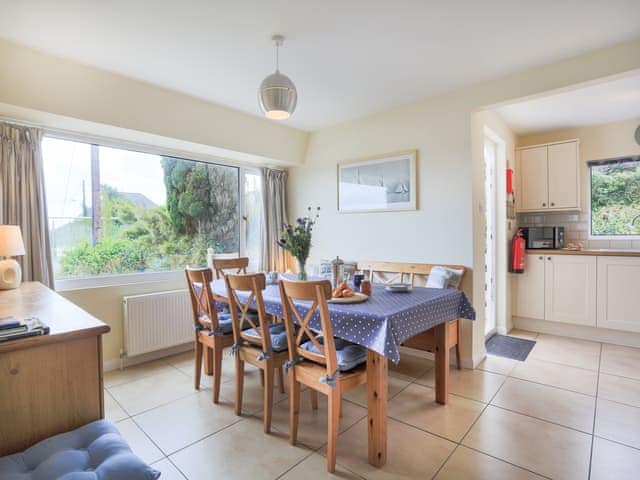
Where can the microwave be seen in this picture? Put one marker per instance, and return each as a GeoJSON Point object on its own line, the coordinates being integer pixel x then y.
{"type": "Point", "coordinates": [544, 237]}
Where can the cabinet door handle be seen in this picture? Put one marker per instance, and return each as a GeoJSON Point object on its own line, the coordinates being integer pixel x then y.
{"type": "Point", "coordinates": [553, 204]}
{"type": "Point", "coordinates": [549, 258]}
{"type": "Point", "coordinates": [540, 258]}
{"type": "Point", "coordinates": [544, 204]}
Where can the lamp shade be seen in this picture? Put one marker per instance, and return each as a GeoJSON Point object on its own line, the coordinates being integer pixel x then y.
{"type": "Point", "coordinates": [278, 96]}
{"type": "Point", "coordinates": [11, 244]}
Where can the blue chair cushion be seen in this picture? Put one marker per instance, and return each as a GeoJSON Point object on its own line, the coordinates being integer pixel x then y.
{"type": "Point", "coordinates": [225, 323]}
{"type": "Point", "coordinates": [95, 451]}
{"type": "Point", "coordinates": [278, 336]}
{"type": "Point", "coordinates": [349, 355]}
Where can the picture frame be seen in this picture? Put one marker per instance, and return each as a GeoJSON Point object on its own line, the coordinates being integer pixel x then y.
{"type": "Point", "coordinates": [383, 183]}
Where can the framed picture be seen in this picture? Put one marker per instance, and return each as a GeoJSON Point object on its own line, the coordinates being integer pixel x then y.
{"type": "Point", "coordinates": [379, 184]}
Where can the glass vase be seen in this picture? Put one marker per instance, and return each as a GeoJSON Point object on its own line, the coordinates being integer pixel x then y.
{"type": "Point", "coordinates": [302, 270]}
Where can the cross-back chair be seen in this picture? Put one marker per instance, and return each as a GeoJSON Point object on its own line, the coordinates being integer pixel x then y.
{"type": "Point", "coordinates": [213, 330]}
{"type": "Point", "coordinates": [317, 360]}
{"type": "Point", "coordinates": [416, 273]}
{"type": "Point", "coordinates": [223, 266]}
{"type": "Point", "coordinates": [256, 340]}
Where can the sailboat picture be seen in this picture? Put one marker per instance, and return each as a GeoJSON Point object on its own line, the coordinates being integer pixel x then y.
{"type": "Point", "coordinates": [383, 183]}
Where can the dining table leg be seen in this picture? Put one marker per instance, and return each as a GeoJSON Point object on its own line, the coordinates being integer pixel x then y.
{"type": "Point", "coordinates": [441, 334]}
{"type": "Point", "coordinates": [377, 379]}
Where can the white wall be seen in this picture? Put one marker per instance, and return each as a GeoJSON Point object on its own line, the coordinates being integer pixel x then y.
{"type": "Point", "coordinates": [447, 226]}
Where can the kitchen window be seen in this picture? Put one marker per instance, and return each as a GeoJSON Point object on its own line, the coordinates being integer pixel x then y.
{"type": "Point", "coordinates": [615, 198]}
{"type": "Point", "coordinates": [116, 211]}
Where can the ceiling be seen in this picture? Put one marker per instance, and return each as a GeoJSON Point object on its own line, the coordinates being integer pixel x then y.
{"type": "Point", "coordinates": [347, 58]}
{"type": "Point", "coordinates": [612, 101]}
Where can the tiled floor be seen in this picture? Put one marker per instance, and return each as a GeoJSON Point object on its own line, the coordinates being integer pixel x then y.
{"type": "Point", "coordinates": [571, 411]}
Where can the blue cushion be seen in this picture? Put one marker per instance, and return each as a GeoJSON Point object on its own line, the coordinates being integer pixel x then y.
{"type": "Point", "coordinates": [93, 452]}
{"type": "Point", "coordinates": [349, 355]}
{"type": "Point", "coordinates": [225, 323]}
{"type": "Point", "coordinates": [278, 336]}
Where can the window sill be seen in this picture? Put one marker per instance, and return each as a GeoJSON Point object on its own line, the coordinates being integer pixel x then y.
{"type": "Point", "coordinates": [101, 281]}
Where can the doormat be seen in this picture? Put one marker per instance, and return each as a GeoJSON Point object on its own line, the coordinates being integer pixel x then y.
{"type": "Point", "coordinates": [509, 347]}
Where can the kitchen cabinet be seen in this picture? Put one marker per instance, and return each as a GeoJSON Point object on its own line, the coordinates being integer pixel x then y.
{"type": "Point", "coordinates": [570, 289]}
{"type": "Point", "coordinates": [548, 177]}
{"type": "Point", "coordinates": [529, 291]}
{"type": "Point", "coordinates": [619, 293]}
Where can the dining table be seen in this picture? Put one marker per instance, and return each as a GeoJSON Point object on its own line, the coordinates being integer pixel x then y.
{"type": "Point", "coordinates": [381, 324]}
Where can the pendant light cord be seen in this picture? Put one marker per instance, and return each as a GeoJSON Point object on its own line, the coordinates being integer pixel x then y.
{"type": "Point", "coordinates": [277, 57]}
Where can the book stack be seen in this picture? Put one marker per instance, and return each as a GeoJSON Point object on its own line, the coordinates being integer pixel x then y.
{"type": "Point", "coordinates": [12, 328]}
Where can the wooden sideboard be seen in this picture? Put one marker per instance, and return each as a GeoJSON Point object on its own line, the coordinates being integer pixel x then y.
{"type": "Point", "coordinates": [52, 383]}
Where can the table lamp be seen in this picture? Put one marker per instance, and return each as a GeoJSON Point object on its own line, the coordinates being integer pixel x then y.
{"type": "Point", "coordinates": [11, 245]}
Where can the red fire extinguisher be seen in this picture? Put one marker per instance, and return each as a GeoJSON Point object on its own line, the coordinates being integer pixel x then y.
{"type": "Point", "coordinates": [517, 252]}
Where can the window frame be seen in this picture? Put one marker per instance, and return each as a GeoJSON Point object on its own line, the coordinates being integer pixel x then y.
{"type": "Point", "coordinates": [114, 280]}
{"type": "Point", "coordinates": [595, 163]}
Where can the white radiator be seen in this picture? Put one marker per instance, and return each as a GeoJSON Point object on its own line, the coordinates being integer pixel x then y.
{"type": "Point", "coordinates": [156, 321]}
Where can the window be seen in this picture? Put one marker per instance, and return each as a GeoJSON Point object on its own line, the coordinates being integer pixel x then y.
{"type": "Point", "coordinates": [116, 211]}
{"type": "Point", "coordinates": [615, 197]}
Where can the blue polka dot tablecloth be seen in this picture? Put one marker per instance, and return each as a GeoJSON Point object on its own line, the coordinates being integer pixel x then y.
{"type": "Point", "coordinates": [385, 320]}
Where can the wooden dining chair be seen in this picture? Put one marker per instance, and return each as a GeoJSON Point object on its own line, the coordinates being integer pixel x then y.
{"type": "Point", "coordinates": [415, 273]}
{"type": "Point", "coordinates": [317, 360]}
{"type": "Point", "coordinates": [213, 330]}
{"type": "Point", "coordinates": [236, 265]}
{"type": "Point", "coordinates": [256, 340]}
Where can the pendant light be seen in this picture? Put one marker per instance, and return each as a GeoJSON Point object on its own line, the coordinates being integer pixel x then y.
{"type": "Point", "coordinates": [278, 95]}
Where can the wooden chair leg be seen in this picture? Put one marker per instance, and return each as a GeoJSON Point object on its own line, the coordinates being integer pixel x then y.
{"type": "Point", "coordinates": [314, 399]}
{"type": "Point", "coordinates": [333, 400]}
{"type": "Point", "coordinates": [269, 377]}
{"type": "Point", "coordinates": [208, 361]}
{"type": "Point", "coordinates": [458, 361]}
{"type": "Point", "coordinates": [217, 371]}
{"type": "Point", "coordinates": [280, 379]}
{"type": "Point", "coordinates": [198, 360]}
{"type": "Point", "coordinates": [294, 408]}
{"type": "Point", "coordinates": [239, 383]}
{"type": "Point", "coordinates": [262, 378]}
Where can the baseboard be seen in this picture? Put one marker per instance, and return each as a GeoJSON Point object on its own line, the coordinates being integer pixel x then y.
{"type": "Point", "coordinates": [582, 332]}
{"type": "Point", "coordinates": [115, 364]}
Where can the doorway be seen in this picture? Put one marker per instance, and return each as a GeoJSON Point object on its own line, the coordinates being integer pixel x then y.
{"type": "Point", "coordinates": [490, 253]}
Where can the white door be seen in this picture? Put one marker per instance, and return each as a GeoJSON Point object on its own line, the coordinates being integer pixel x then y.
{"type": "Point", "coordinates": [570, 289]}
{"type": "Point", "coordinates": [490, 160]}
{"type": "Point", "coordinates": [564, 175]}
{"type": "Point", "coordinates": [529, 298]}
{"type": "Point", "coordinates": [619, 293]}
{"type": "Point", "coordinates": [533, 179]}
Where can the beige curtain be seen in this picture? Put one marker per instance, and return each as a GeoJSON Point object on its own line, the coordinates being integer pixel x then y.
{"type": "Point", "coordinates": [274, 203]}
{"type": "Point", "coordinates": [22, 200]}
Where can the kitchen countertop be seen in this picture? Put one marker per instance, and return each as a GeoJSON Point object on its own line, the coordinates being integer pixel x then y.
{"type": "Point", "coordinates": [612, 252]}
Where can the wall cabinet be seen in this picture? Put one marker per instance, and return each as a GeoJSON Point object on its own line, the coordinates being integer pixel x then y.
{"type": "Point", "coordinates": [559, 288]}
{"type": "Point", "coordinates": [619, 293]}
{"type": "Point", "coordinates": [548, 177]}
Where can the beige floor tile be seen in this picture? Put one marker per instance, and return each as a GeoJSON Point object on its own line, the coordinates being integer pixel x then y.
{"type": "Point", "coordinates": [314, 467]}
{"type": "Point", "coordinates": [416, 406]}
{"type": "Point", "coordinates": [567, 351]}
{"type": "Point", "coordinates": [500, 365]}
{"type": "Point", "coordinates": [619, 389]}
{"type": "Point", "coordinates": [113, 411]}
{"type": "Point", "coordinates": [136, 372]}
{"type": "Point", "coordinates": [404, 460]}
{"type": "Point", "coordinates": [410, 366]}
{"type": "Point", "coordinates": [570, 409]}
{"type": "Point", "coordinates": [312, 424]}
{"type": "Point", "coordinates": [184, 359]}
{"type": "Point", "coordinates": [150, 392]}
{"type": "Point", "coordinates": [622, 361]}
{"type": "Point", "coordinates": [526, 334]}
{"type": "Point", "coordinates": [228, 370]}
{"type": "Point", "coordinates": [253, 394]}
{"type": "Point", "coordinates": [241, 451]}
{"type": "Point", "coordinates": [617, 422]}
{"type": "Point", "coordinates": [614, 461]}
{"type": "Point", "coordinates": [359, 395]}
{"type": "Point", "coordinates": [139, 442]}
{"type": "Point", "coordinates": [468, 464]}
{"type": "Point", "coordinates": [177, 424]}
{"type": "Point", "coordinates": [556, 375]}
{"type": "Point", "coordinates": [168, 470]}
{"type": "Point", "coordinates": [535, 445]}
{"type": "Point", "coordinates": [474, 384]}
